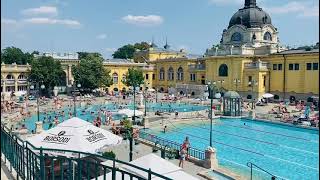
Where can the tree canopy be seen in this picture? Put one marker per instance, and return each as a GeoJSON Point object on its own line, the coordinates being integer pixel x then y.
{"type": "Point", "coordinates": [48, 70]}
{"type": "Point", "coordinates": [90, 73]}
{"type": "Point", "coordinates": [134, 77]}
{"type": "Point", "coordinates": [127, 51]}
{"type": "Point", "coordinates": [11, 55]}
{"type": "Point", "coordinates": [83, 55]}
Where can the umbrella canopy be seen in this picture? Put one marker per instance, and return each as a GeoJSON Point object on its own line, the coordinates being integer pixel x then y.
{"type": "Point", "coordinates": [77, 135]}
{"type": "Point", "coordinates": [151, 90]}
{"type": "Point", "coordinates": [129, 112]}
{"type": "Point", "coordinates": [156, 164]}
{"type": "Point", "coordinates": [267, 95]}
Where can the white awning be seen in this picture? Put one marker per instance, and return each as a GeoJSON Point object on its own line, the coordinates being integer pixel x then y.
{"type": "Point", "coordinates": [77, 135]}
{"type": "Point", "coordinates": [157, 165]}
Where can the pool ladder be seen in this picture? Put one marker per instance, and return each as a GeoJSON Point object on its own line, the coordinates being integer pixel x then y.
{"type": "Point", "coordinates": [251, 166]}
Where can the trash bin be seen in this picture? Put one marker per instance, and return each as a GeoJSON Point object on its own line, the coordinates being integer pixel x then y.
{"type": "Point", "coordinates": [163, 153]}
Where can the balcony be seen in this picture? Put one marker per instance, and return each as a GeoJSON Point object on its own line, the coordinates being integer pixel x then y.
{"type": "Point", "coordinates": [257, 65]}
{"type": "Point", "coordinates": [22, 81]}
{"type": "Point", "coordinates": [10, 81]}
{"type": "Point", "coordinates": [195, 67]}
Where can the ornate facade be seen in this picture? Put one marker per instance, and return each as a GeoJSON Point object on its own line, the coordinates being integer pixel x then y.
{"type": "Point", "coordinates": [249, 60]}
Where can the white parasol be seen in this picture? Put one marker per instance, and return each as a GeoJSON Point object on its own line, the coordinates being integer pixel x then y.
{"type": "Point", "coordinates": [77, 135]}
{"type": "Point", "coordinates": [129, 112]}
{"type": "Point", "coordinates": [267, 95]}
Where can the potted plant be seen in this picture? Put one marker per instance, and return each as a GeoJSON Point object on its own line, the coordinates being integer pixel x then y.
{"type": "Point", "coordinates": [109, 155]}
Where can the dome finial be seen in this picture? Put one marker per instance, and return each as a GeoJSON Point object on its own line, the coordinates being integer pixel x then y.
{"type": "Point", "coordinates": [166, 46]}
{"type": "Point", "coordinates": [250, 3]}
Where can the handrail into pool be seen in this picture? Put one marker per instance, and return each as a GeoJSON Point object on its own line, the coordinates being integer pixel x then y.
{"type": "Point", "coordinates": [250, 165]}
{"type": "Point", "coordinates": [31, 165]}
{"type": "Point", "coordinates": [193, 152]}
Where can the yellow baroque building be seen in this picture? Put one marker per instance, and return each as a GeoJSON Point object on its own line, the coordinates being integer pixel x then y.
{"type": "Point", "coordinates": [249, 60]}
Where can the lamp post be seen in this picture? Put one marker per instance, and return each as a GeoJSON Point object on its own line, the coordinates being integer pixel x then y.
{"type": "Point", "coordinates": [252, 83]}
{"type": "Point", "coordinates": [156, 94]}
{"type": "Point", "coordinates": [210, 89]}
{"type": "Point", "coordinates": [38, 94]}
{"type": "Point", "coordinates": [236, 82]}
{"type": "Point", "coordinates": [145, 100]}
{"type": "Point", "coordinates": [74, 98]}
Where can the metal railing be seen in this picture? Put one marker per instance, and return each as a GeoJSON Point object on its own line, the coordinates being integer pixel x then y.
{"type": "Point", "coordinates": [251, 166]}
{"type": "Point", "coordinates": [37, 164]}
{"type": "Point", "coordinates": [193, 152]}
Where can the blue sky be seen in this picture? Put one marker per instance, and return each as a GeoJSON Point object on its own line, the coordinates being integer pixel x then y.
{"type": "Point", "coordinates": [105, 25]}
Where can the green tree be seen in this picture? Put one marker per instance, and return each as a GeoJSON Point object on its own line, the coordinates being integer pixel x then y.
{"type": "Point", "coordinates": [91, 74]}
{"type": "Point", "coordinates": [142, 46]}
{"type": "Point", "coordinates": [127, 51]}
{"type": "Point", "coordinates": [134, 77]}
{"type": "Point", "coordinates": [11, 55]}
{"type": "Point", "coordinates": [48, 70]}
{"type": "Point", "coordinates": [83, 55]}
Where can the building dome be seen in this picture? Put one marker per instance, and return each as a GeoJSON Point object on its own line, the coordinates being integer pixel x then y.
{"type": "Point", "coordinates": [250, 16]}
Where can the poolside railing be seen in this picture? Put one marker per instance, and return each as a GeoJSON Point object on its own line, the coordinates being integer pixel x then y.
{"type": "Point", "coordinates": [251, 166]}
{"type": "Point", "coordinates": [34, 163]}
{"type": "Point", "coordinates": [193, 152]}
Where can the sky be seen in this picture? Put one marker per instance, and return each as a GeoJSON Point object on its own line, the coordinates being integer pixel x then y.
{"type": "Point", "coordinates": [105, 25]}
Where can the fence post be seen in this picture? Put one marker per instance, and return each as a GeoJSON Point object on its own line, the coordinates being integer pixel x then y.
{"type": "Point", "coordinates": [114, 170]}
{"type": "Point", "coordinates": [42, 175]}
{"type": "Point", "coordinates": [250, 171]}
{"type": "Point", "coordinates": [149, 174]}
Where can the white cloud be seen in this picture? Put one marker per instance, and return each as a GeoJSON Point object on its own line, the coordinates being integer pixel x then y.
{"type": "Point", "coordinates": [299, 8]}
{"type": "Point", "coordinates": [101, 36]}
{"type": "Point", "coordinates": [110, 49]}
{"type": "Point", "coordinates": [8, 21]}
{"type": "Point", "coordinates": [149, 20]}
{"type": "Point", "coordinates": [67, 22]}
{"type": "Point", "coordinates": [48, 10]}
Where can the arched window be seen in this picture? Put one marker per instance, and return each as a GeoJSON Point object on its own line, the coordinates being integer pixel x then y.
{"type": "Point", "coordinates": [22, 76]}
{"type": "Point", "coordinates": [180, 74]}
{"type": "Point", "coordinates": [236, 37]}
{"type": "Point", "coordinates": [161, 74]}
{"type": "Point", "coordinates": [223, 70]}
{"type": "Point", "coordinates": [267, 36]}
{"type": "Point", "coordinates": [124, 77]}
{"type": "Point", "coordinates": [170, 74]}
{"type": "Point", "coordinates": [9, 76]}
{"type": "Point", "coordinates": [115, 78]}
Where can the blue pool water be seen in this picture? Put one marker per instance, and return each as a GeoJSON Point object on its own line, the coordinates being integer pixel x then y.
{"type": "Point", "coordinates": [287, 152]}
{"type": "Point", "coordinates": [88, 116]}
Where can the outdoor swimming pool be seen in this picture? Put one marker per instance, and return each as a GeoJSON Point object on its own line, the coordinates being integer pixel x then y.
{"type": "Point", "coordinates": [89, 116]}
{"type": "Point", "coordinates": [287, 152]}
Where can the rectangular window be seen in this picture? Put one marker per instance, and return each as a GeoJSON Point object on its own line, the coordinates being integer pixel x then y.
{"type": "Point", "coordinates": [280, 67]}
{"type": "Point", "coordinates": [153, 76]}
{"type": "Point", "coordinates": [290, 66]}
{"type": "Point", "coordinates": [296, 66]}
{"type": "Point", "coordinates": [315, 66]}
{"type": "Point", "coordinates": [147, 76]}
{"type": "Point", "coordinates": [274, 66]}
{"type": "Point", "coordinates": [264, 81]}
{"type": "Point", "coordinates": [192, 77]}
{"type": "Point", "coordinates": [309, 66]}
{"type": "Point", "coordinates": [249, 79]}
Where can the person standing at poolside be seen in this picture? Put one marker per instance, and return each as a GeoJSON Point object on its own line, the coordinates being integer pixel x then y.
{"type": "Point", "coordinates": [183, 153]}
{"type": "Point", "coordinates": [186, 143]}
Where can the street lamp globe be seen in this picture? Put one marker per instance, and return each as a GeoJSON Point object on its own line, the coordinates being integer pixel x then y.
{"type": "Point", "coordinates": [42, 86]}
{"type": "Point", "coordinates": [79, 85]}
{"type": "Point", "coordinates": [32, 87]}
{"type": "Point", "coordinates": [217, 95]}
